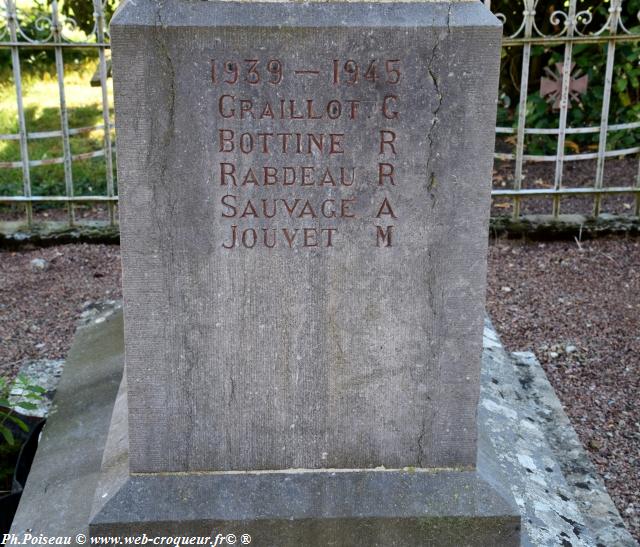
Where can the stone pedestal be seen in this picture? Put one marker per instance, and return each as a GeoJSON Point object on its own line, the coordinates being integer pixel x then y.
{"type": "Point", "coordinates": [345, 507]}
{"type": "Point", "coordinates": [304, 207]}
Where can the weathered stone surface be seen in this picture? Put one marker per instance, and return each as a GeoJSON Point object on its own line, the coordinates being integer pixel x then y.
{"type": "Point", "coordinates": [586, 488]}
{"type": "Point", "coordinates": [64, 475]}
{"type": "Point", "coordinates": [315, 509]}
{"type": "Point", "coordinates": [566, 226]}
{"type": "Point", "coordinates": [408, 507]}
{"type": "Point", "coordinates": [527, 445]}
{"type": "Point", "coordinates": [355, 341]}
{"type": "Point", "coordinates": [16, 234]}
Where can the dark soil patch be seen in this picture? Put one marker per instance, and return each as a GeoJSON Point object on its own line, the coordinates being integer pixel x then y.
{"type": "Point", "coordinates": [8, 458]}
{"type": "Point", "coordinates": [38, 309]}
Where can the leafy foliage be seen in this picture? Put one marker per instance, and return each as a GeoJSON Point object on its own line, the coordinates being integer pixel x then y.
{"type": "Point", "coordinates": [82, 12]}
{"type": "Point", "coordinates": [589, 59]}
{"type": "Point", "coordinates": [34, 21]}
{"type": "Point", "coordinates": [28, 395]}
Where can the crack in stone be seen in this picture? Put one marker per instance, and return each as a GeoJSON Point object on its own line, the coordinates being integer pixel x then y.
{"type": "Point", "coordinates": [232, 395]}
{"type": "Point", "coordinates": [431, 177]}
{"type": "Point", "coordinates": [167, 135]}
{"type": "Point", "coordinates": [164, 144]}
{"type": "Point", "coordinates": [432, 182]}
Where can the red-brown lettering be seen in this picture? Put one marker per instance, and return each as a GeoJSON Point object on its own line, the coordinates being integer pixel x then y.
{"type": "Point", "coordinates": [385, 209]}
{"type": "Point", "coordinates": [387, 137]}
{"type": "Point", "coordinates": [226, 137]}
{"type": "Point", "coordinates": [232, 208]}
{"type": "Point", "coordinates": [385, 171]}
{"type": "Point", "coordinates": [383, 236]}
{"type": "Point", "coordinates": [227, 170]}
{"type": "Point", "coordinates": [386, 107]}
{"type": "Point", "coordinates": [310, 241]}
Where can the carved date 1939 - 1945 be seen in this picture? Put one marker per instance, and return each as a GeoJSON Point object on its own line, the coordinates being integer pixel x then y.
{"type": "Point", "coordinates": [272, 71]}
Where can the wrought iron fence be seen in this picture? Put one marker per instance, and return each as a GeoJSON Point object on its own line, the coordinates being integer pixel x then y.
{"type": "Point", "coordinates": [570, 28]}
{"type": "Point", "coordinates": [565, 29]}
{"type": "Point", "coordinates": [57, 31]}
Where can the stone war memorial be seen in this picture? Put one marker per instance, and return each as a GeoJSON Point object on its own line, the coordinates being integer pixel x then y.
{"type": "Point", "coordinates": [304, 193]}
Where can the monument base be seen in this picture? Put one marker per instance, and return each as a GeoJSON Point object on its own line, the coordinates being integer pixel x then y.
{"type": "Point", "coordinates": [299, 507]}
{"type": "Point", "coordinates": [314, 508]}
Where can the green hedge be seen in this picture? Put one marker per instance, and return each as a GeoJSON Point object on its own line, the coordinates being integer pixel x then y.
{"type": "Point", "coordinates": [589, 59]}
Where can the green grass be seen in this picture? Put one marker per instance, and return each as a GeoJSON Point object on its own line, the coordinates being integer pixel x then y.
{"type": "Point", "coordinates": [42, 113]}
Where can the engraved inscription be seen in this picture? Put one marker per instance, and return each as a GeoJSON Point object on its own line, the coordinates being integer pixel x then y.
{"type": "Point", "coordinates": [300, 187]}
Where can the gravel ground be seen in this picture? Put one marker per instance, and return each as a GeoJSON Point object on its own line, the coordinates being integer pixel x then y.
{"type": "Point", "coordinates": [576, 305]}
{"type": "Point", "coordinates": [39, 307]}
{"type": "Point", "coordinates": [617, 172]}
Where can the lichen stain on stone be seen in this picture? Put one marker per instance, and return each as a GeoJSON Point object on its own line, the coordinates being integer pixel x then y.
{"type": "Point", "coordinates": [494, 407]}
